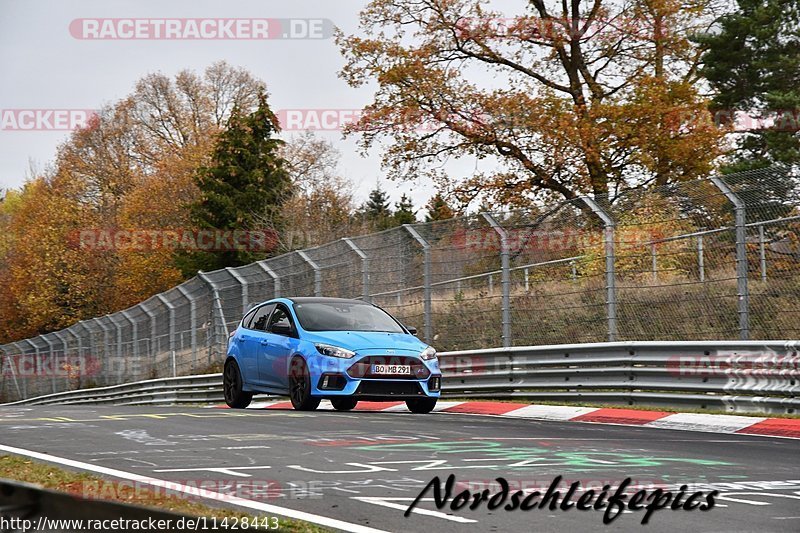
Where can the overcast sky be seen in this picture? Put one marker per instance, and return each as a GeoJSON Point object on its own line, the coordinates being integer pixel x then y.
{"type": "Point", "coordinates": [44, 66]}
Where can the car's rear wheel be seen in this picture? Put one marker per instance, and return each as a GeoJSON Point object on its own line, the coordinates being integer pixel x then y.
{"type": "Point", "coordinates": [232, 384]}
{"type": "Point", "coordinates": [300, 387]}
{"type": "Point", "coordinates": [344, 404]}
{"type": "Point", "coordinates": [421, 405]}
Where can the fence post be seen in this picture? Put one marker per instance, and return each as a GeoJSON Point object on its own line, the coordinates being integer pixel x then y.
{"type": "Point", "coordinates": [654, 260]}
{"type": "Point", "coordinates": [364, 268]}
{"type": "Point", "coordinates": [243, 282]}
{"type": "Point", "coordinates": [193, 321]}
{"type": "Point", "coordinates": [701, 265]}
{"type": "Point", "coordinates": [741, 257]}
{"type": "Point", "coordinates": [52, 362]}
{"type": "Point", "coordinates": [426, 274]}
{"type": "Point", "coordinates": [134, 333]}
{"type": "Point", "coordinates": [505, 277]}
{"type": "Point", "coordinates": [105, 346]}
{"type": "Point", "coordinates": [64, 347]}
{"type": "Point", "coordinates": [762, 252]}
{"type": "Point", "coordinates": [37, 362]}
{"type": "Point", "coordinates": [276, 280]}
{"type": "Point", "coordinates": [317, 272]}
{"type": "Point", "coordinates": [120, 360]}
{"type": "Point", "coordinates": [172, 343]}
{"type": "Point", "coordinates": [611, 281]}
{"type": "Point", "coordinates": [218, 307]}
{"type": "Point", "coordinates": [24, 393]}
{"type": "Point", "coordinates": [153, 335]}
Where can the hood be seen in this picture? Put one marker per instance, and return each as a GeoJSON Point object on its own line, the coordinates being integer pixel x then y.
{"type": "Point", "coordinates": [363, 340]}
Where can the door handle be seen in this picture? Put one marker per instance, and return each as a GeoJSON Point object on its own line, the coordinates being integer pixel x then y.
{"type": "Point", "coordinates": [264, 342]}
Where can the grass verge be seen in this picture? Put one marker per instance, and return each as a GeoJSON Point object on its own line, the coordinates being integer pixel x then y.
{"type": "Point", "coordinates": [80, 483]}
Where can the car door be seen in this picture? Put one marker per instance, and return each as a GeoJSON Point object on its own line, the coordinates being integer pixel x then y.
{"type": "Point", "coordinates": [249, 340]}
{"type": "Point", "coordinates": [275, 354]}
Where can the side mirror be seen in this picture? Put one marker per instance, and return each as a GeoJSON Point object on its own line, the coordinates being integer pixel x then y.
{"type": "Point", "coordinates": [281, 329]}
{"type": "Point", "coordinates": [412, 330]}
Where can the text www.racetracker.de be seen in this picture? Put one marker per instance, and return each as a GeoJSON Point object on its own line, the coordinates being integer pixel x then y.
{"type": "Point", "coordinates": [201, 523]}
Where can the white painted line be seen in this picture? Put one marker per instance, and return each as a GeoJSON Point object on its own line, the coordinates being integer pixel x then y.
{"type": "Point", "coordinates": [550, 412]}
{"type": "Point", "coordinates": [704, 422]}
{"type": "Point", "coordinates": [195, 491]}
{"type": "Point", "coordinates": [389, 502]}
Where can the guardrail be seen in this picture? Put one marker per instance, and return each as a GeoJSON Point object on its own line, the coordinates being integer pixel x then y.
{"type": "Point", "coordinates": [735, 376]}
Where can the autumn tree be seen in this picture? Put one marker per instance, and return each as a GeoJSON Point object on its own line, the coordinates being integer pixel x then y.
{"type": "Point", "coordinates": [317, 187]}
{"type": "Point", "coordinates": [438, 208]}
{"type": "Point", "coordinates": [568, 98]}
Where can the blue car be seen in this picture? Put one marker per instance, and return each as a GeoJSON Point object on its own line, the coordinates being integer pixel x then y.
{"type": "Point", "coordinates": [342, 350]}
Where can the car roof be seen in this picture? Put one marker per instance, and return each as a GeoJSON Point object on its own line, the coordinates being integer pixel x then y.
{"type": "Point", "coordinates": [322, 300]}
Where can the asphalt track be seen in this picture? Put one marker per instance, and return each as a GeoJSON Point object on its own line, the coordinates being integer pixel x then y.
{"type": "Point", "coordinates": [364, 468]}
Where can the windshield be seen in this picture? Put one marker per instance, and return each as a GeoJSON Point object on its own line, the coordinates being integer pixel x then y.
{"type": "Point", "coordinates": [347, 316]}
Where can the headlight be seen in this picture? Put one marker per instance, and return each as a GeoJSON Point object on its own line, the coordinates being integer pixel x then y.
{"type": "Point", "coordinates": [334, 351]}
{"type": "Point", "coordinates": [428, 353]}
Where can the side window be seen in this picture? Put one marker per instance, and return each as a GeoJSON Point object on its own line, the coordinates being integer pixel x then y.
{"type": "Point", "coordinates": [259, 319]}
{"type": "Point", "coordinates": [249, 317]}
{"type": "Point", "coordinates": [281, 318]}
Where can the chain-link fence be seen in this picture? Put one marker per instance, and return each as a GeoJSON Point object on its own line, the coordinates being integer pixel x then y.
{"type": "Point", "coordinates": [703, 260]}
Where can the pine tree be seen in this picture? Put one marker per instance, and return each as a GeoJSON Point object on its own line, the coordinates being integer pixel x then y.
{"type": "Point", "coordinates": [244, 186]}
{"type": "Point", "coordinates": [438, 209]}
{"type": "Point", "coordinates": [405, 213]}
{"type": "Point", "coordinates": [753, 63]}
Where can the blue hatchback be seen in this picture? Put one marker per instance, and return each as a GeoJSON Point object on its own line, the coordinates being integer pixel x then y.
{"type": "Point", "coordinates": [329, 348]}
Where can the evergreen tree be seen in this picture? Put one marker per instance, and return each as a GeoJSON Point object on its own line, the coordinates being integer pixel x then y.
{"type": "Point", "coordinates": [405, 213]}
{"type": "Point", "coordinates": [753, 63]}
{"type": "Point", "coordinates": [438, 209]}
{"type": "Point", "coordinates": [377, 210]}
{"type": "Point", "coordinates": [245, 185]}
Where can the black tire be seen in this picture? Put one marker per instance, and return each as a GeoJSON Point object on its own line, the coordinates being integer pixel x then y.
{"type": "Point", "coordinates": [344, 404]}
{"type": "Point", "coordinates": [232, 384]}
{"type": "Point", "coordinates": [300, 387]}
{"type": "Point", "coordinates": [421, 405]}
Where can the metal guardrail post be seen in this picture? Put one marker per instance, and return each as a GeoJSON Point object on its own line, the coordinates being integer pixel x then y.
{"type": "Point", "coordinates": [426, 273]}
{"type": "Point", "coordinates": [505, 277]}
{"type": "Point", "coordinates": [611, 278]}
{"type": "Point", "coordinates": [193, 320]}
{"type": "Point", "coordinates": [317, 272]}
{"type": "Point", "coordinates": [243, 283]}
{"type": "Point", "coordinates": [276, 280]}
{"type": "Point", "coordinates": [172, 343]}
{"type": "Point", "coordinates": [741, 257]}
{"type": "Point", "coordinates": [364, 268]}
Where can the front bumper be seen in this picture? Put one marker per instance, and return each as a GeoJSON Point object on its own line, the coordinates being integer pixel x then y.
{"type": "Point", "coordinates": [354, 377]}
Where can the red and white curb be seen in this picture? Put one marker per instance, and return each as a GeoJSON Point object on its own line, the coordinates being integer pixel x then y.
{"type": "Point", "coordinates": [748, 425]}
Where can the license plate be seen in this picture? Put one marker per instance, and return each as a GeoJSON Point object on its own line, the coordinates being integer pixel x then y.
{"type": "Point", "coordinates": [391, 369]}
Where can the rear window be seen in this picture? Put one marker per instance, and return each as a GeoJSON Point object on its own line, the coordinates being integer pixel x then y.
{"type": "Point", "coordinates": [318, 316]}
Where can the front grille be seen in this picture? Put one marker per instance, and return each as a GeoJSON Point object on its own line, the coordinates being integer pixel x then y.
{"type": "Point", "coordinates": [363, 367]}
{"type": "Point", "coordinates": [389, 388]}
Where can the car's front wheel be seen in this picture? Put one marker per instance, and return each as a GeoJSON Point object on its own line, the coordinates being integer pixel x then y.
{"type": "Point", "coordinates": [344, 404]}
{"type": "Point", "coordinates": [232, 384]}
{"type": "Point", "coordinates": [300, 387]}
{"type": "Point", "coordinates": [421, 405]}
